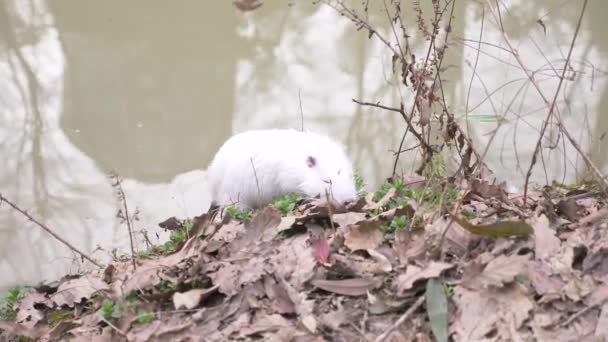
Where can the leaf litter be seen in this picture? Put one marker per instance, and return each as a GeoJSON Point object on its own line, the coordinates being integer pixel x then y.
{"type": "Point", "coordinates": [498, 270]}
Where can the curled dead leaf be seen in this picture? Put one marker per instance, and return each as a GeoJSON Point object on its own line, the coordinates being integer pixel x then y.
{"type": "Point", "coordinates": [503, 269]}
{"type": "Point", "coordinates": [191, 299]}
{"type": "Point", "coordinates": [414, 273]}
{"type": "Point", "coordinates": [497, 229]}
{"type": "Point", "coordinates": [347, 287]}
{"type": "Point", "coordinates": [364, 235]}
{"type": "Point", "coordinates": [74, 290]}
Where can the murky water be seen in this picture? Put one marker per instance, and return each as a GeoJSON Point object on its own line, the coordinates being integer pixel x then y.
{"type": "Point", "coordinates": [151, 89]}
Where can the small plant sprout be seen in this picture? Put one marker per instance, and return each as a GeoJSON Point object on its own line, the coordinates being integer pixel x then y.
{"type": "Point", "coordinates": [359, 184]}
{"type": "Point", "coordinates": [238, 215]}
{"type": "Point", "coordinates": [111, 311]}
{"type": "Point", "coordinates": [10, 301]}
{"type": "Point", "coordinates": [398, 222]}
{"type": "Point", "coordinates": [285, 204]}
{"type": "Point", "coordinates": [144, 317]}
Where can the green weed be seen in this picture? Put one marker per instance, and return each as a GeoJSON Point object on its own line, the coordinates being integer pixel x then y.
{"type": "Point", "coordinates": [285, 204]}
{"type": "Point", "coordinates": [111, 311]}
{"type": "Point", "coordinates": [12, 298]}
{"type": "Point", "coordinates": [238, 215]}
{"type": "Point", "coordinates": [398, 222]}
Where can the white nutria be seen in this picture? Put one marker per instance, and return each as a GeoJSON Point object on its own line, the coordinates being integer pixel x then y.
{"type": "Point", "coordinates": [252, 168]}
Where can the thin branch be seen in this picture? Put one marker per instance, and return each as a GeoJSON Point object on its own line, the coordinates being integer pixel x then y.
{"type": "Point", "coordinates": [466, 106]}
{"type": "Point", "coordinates": [123, 198]}
{"type": "Point", "coordinates": [48, 230]}
{"type": "Point", "coordinates": [384, 336]}
{"type": "Point", "coordinates": [405, 117]}
{"type": "Point", "coordinates": [563, 128]}
{"type": "Point", "coordinates": [301, 111]}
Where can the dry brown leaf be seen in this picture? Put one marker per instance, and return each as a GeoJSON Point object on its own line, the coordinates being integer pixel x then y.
{"type": "Point", "coordinates": [286, 223]}
{"type": "Point", "coordinates": [381, 259]}
{"type": "Point", "coordinates": [10, 331]}
{"type": "Point", "coordinates": [192, 298]}
{"type": "Point", "coordinates": [364, 235]}
{"type": "Point", "coordinates": [264, 323]}
{"type": "Point", "coordinates": [545, 241]}
{"type": "Point", "coordinates": [262, 227]}
{"type": "Point", "coordinates": [74, 290]}
{"type": "Point", "coordinates": [576, 288]}
{"type": "Point", "coordinates": [487, 190]}
{"type": "Point", "coordinates": [278, 296]}
{"type": "Point", "coordinates": [413, 181]}
{"type": "Point", "coordinates": [304, 307]}
{"type": "Point", "coordinates": [457, 239]}
{"type": "Point", "coordinates": [226, 278]}
{"type": "Point", "coordinates": [345, 219]}
{"type": "Point", "coordinates": [542, 278]}
{"type": "Point", "coordinates": [294, 259]}
{"type": "Point", "coordinates": [146, 275]}
{"type": "Point", "coordinates": [599, 215]}
{"type": "Point", "coordinates": [569, 209]}
{"type": "Point", "coordinates": [499, 271]}
{"type": "Point", "coordinates": [499, 312]}
{"type": "Point", "coordinates": [601, 329]}
{"type": "Point", "coordinates": [228, 232]}
{"type": "Point", "coordinates": [27, 314]}
{"type": "Point", "coordinates": [347, 287]}
{"type": "Point", "coordinates": [414, 273]}
{"type": "Point", "coordinates": [410, 244]}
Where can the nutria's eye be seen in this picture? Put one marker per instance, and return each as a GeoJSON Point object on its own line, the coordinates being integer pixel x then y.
{"type": "Point", "coordinates": [311, 161]}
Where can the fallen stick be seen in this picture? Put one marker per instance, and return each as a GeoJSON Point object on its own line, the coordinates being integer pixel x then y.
{"type": "Point", "coordinates": [400, 321]}
{"type": "Point", "coordinates": [48, 230]}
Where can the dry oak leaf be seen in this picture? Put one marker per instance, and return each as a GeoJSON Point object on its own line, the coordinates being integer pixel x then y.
{"type": "Point", "coordinates": [543, 280]}
{"type": "Point", "coordinates": [263, 323]}
{"type": "Point", "coordinates": [27, 314]}
{"type": "Point", "coordinates": [500, 312]}
{"type": "Point", "coordinates": [414, 273]}
{"type": "Point", "coordinates": [294, 260]}
{"type": "Point", "coordinates": [499, 271]}
{"type": "Point", "coordinates": [364, 235]}
{"type": "Point", "coordinates": [74, 290]}
{"type": "Point", "coordinates": [145, 276]}
{"type": "Point", "coordinates": [278, 296]}
{"type": "Point", "coordinates": [545, 241]}
{"type": "Point", "coordinates": [346, 219]}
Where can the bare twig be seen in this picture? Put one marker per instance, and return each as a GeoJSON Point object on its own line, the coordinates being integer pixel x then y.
{"type": "Point", "coordinates": [257, 182]}
{"type": "Point", "coordinates": [301, 112]}
{"type": "Point", "coordinates": [400, 111]}
{"type": "Point", "coordinates": [121, 195]}
{"type": "Point", "coordinates": [551, 104]}
{"type": "Point", "coordinates": [552, 107]}
{"type": "Point", "coordinates": [466, 106]}
{"type": "Point", "coordinates": [384, 336]}
{"type": "Point", "coordinates": [330, 210]}
{"type": "Point", "coordinates": [48, 230]}
{"type": "Point", "coordinates": [120, 332]}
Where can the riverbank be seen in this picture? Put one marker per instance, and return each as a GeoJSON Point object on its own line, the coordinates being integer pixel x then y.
{"type": "Point", "coordinates": [421, 257]}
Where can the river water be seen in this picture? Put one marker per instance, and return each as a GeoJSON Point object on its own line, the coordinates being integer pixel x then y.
{"type": "Point", "coordinates": [150, 90]}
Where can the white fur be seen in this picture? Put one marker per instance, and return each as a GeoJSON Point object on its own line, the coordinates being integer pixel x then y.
{"type": "Point", "coordinates": [254, 167]}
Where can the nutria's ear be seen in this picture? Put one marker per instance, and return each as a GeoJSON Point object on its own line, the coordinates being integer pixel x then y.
{"type": "Point", "coordinates": [311, 161]}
